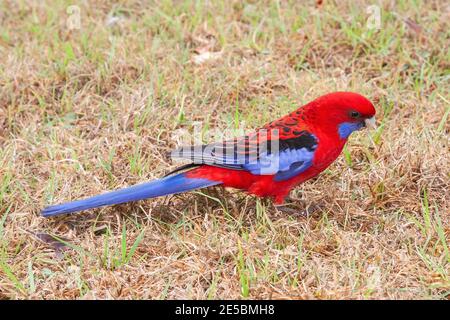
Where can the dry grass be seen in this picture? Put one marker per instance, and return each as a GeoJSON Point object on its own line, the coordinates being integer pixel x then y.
{"type": "Point", "coordinates": [88, 110]}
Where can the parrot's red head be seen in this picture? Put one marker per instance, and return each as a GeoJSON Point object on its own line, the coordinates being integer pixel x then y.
{"type": "Point", "coordinates": [344, 112]}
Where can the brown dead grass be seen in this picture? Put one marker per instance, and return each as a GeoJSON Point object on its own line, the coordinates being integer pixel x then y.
{"type": "Point", "coordinates": [90, 110]}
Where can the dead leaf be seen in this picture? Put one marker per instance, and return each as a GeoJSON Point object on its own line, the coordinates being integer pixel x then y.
{"type": "Point", "coordinates": [206, 56]}
{"type": "Point", "coordinates": [414, 26]}
{"type": "Point", "coordinates": [56, 243]}
{"type": "Point", "coordinates": [100, 230]}
{"type": "Point", "coordinates": [112, 20]}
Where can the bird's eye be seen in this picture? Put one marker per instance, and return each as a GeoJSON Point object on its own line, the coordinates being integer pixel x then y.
{"type": "Point", "coordinates": [355, 114]}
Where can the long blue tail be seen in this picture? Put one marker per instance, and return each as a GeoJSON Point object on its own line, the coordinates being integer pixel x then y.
{"type": "Point", "coordinates": [161, 187]}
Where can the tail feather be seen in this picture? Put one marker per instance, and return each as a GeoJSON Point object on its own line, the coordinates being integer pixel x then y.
{"type": "Point", "coordinates": [161, 187]}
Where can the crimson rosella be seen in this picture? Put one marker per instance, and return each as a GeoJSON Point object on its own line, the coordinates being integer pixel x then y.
{"type": "Point", "coordinates": [270, 162]}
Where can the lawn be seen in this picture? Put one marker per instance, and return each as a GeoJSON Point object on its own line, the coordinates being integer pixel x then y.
{"type": "Point", "coordinates": [94, 94]}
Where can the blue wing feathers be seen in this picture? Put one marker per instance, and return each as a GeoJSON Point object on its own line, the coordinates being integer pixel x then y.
{"type": "Point", "coordinates": [283, 158]}
{"type": "Point", "coordinates": [283, 165]}
{"type": "Point", "coordinates": [161, 187]}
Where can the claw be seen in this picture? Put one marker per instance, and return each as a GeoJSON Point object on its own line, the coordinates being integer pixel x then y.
{"type": "Point", "coordinates": [309, 211]}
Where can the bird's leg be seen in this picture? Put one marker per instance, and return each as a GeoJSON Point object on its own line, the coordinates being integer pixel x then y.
{"type": "Point", "coordinates": [287, 205]}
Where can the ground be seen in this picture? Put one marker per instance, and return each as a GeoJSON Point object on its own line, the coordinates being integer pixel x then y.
{"type": "Point", "coordinates": [93, 94]}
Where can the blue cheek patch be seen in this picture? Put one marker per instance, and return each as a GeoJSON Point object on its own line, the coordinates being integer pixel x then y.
{"type": "Point", "coordinates": [346, 128]}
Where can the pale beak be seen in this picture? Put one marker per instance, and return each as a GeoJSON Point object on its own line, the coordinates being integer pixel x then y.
{"type": "Point", "coordinates": [370, 123]}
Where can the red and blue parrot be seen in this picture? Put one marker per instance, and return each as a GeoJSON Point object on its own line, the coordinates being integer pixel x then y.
{"type": "Point", "coordinates": [269, 162]}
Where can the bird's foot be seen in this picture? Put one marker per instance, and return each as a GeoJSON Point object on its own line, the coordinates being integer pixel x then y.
{"type": "Point", "coordinates": [291, 209]}
{"type": "Point", "coordinates": [290, 199]}
{"type": "Point", "coordinates": [285, 209]}
{"type": "Point", "coordinates": [296, 210]}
